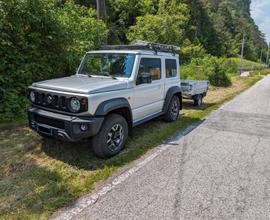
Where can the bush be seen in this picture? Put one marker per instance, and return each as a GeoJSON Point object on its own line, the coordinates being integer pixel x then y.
{"type": "Point", "coordinates": [217, 72]}
{"type": "Point", "coordinates": [163, 27]}
{"type": "Point", "coordinates": [40, 41]}
{"type": "Point", "coordinates": [209, 68]}
{"type": "Point", "coordinates": [189, 51]}
{"type": "Point", "coordinates": [233, 65]}
{"type": "Point", "coordinates": [262, 72]}
{"type": "Point", "coordinates": [84, 32]}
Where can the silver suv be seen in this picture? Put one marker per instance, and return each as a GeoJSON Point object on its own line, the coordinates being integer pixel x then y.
{"type": "Point", "coordinates": [115, 89]}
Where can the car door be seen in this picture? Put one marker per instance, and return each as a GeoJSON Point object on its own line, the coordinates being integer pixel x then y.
{"type": "Point", "coordinates": [149, 97]}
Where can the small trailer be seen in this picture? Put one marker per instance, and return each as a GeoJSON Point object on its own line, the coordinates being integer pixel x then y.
{"type": "Point", "coordinates": [195, 89]}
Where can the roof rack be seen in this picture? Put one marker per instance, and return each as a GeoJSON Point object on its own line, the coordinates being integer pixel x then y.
{"type": "Point", "coordinates": [143, 45]}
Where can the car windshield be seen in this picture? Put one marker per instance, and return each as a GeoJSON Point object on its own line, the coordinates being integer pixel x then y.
{"type": "Point", "coordinates": [108, 64]}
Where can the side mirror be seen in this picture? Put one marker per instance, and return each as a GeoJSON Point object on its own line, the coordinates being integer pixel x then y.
{"type": "Point", "coordinates": [144, 78]}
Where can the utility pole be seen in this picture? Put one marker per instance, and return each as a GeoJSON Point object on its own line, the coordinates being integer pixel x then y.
{"type": "Point", "coordinates": [101, 9]}
{"type": "Point", "coordinates": [267, 59]}
{"type": "Point", "coordinates": [242, 53]}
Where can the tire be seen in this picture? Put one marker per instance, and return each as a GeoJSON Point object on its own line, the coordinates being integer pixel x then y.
{"type": "Point", "coordinates": [198, 100]}
{"type": "Point", "coordinates": [112, 136]}
{"type": "Point", "coordinates": [173, 110]}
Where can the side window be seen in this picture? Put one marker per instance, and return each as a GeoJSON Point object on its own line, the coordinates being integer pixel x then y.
{"type": "Point", "coordinates": [152, 66]}
{"type": "Point", "coordinates": [171, 68]}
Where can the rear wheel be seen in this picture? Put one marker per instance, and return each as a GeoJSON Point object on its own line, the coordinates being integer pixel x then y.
{"type": "Point", "coordinates": [198, 100]}
{"type": "Point", "coordinates": [112, 137]}
{"type": "Point", "coordinates": [173, 110]}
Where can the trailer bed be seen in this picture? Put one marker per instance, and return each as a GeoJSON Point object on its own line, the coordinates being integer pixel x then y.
{"type": "Point", "coordinates": [195, 89]}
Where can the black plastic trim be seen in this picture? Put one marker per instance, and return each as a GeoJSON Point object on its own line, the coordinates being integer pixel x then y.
{"type": "Point", "coordinates": [170, 93]}
{"type": "Point", "coordinates": [71, 130]}
{"type": "Point", "coordinates": [113, 104]}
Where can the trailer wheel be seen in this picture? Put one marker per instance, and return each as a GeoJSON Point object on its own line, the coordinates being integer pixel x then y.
{"type": "Point", "coordinates": [198, 100]}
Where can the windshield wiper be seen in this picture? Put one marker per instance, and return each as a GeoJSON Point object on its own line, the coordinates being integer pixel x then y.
{"type": "Point", "coordinates": [86, 73]}
{"type": "Point", "coordinates": [107, 74]}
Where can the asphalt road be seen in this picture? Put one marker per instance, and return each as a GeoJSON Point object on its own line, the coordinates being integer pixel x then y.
{"type": "Point", "coordinates": [220, 170]}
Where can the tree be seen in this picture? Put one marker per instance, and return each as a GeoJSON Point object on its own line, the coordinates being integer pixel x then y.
{"type": "Point", "coordinates": [101, 9]}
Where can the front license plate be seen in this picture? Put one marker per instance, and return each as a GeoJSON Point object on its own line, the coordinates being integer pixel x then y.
{"type": "Point", "coordinates": [44, 130]}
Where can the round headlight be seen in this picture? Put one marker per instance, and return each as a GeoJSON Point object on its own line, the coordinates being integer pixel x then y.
{"type": "Point", "coordinates": [75, 104]}
{"type": "Point", "coordinates": [32, 96]}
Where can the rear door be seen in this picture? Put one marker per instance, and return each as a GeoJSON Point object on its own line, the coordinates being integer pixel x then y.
{"type": "Point", "coordinates": [172, 73]}
{"type": "Point", "coordinates": [149, 98]}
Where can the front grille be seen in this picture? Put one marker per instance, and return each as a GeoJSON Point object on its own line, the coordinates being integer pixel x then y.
{"type": "Point", "coordinates": [49, 121]}
{"type": "Point", "coordinates": [57, 102]}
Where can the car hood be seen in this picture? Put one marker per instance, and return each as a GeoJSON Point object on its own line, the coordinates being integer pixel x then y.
{"type": "Point", "coordinates": [82, 84]}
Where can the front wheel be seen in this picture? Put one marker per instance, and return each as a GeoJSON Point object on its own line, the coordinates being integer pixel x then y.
{"type": "Point", "coordinates": [173, 110]}
{"type": "Point", "coordinates": [112, 137]}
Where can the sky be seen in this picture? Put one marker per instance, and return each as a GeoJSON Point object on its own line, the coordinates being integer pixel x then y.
{"type": "Point", "coordinates": [260, 11]}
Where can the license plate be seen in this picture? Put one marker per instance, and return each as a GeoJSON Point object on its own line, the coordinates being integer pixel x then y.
{"type": "Point", "coordinates": [44, 130]}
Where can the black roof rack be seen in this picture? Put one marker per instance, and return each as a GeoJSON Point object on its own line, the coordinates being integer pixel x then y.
{"type": "Point", "coordinates": [143, 45]}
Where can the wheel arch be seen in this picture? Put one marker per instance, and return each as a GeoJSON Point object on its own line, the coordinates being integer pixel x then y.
{"type": "Point", "coordinates": [175, 90]}
{"type": "Point", "coordinates": [119, 106]}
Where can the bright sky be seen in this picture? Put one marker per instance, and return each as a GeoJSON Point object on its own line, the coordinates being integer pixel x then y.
{"type": "Point", "coordinates": [260, 11]}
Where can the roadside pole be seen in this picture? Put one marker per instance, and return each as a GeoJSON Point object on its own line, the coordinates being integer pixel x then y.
{"type": "Point", "coordinates": [242, 54]}
{"type": "Point", "coordinates": [267, 59]}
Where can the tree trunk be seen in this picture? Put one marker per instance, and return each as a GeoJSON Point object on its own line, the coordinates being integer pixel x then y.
{"type": "Point", "coordinates": [101, 9]}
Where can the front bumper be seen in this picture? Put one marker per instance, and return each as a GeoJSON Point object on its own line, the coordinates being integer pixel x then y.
{"type": "Point", "coordinates": [61, 126]}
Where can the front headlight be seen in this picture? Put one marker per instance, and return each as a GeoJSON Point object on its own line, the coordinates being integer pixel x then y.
{"type": "Point", "coordinates": [75, 104]}
{"type": "Point", "coordinates": [32, 96]}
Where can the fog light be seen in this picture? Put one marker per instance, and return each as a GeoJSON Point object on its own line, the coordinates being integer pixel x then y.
{"type": "Point", "coordinates": [84, 127]}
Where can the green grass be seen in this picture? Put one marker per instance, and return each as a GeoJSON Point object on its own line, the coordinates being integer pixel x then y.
{"type": "Point", "coordinates": [262, 72]}
{"type": "Point", "coordinates": [37, 176]}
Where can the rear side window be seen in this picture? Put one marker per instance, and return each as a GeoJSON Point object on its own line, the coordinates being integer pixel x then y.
{"type": "Point", "coordinates": [152, 66]}
{"type": "Point", "coordinates": [171, 68]}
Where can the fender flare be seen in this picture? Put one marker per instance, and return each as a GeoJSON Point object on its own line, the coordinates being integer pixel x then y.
{"type": "Point", "coordinates": [113, 104]}
{"type": "Point", "coordinates": [170, 93]}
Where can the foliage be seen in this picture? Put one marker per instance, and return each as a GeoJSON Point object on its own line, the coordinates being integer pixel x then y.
{"type": "Point", "coordinates": [170, 28]}
{"type": "Point", "coordinates": [208, 68]}
{"type": "Point", "coordinates": [262, 72]}
{"type": "Point", "coordinates": [83, 32]}
{"type": "Point", "coordinates": [189, 51]}
{"type": "Point", "coordinates": [122, 14]}
{"type": "Point", "coordinates": [233, 65]}
{"type": "Point", "coordinates": [40, 41]}
{"type": "Point", "coordinates": [231, 19]}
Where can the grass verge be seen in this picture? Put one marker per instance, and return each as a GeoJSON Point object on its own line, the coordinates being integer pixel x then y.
{"type": "Point", "coordinates": [37, 176]}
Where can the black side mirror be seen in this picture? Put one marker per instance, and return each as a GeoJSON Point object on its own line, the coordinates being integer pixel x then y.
{"type": "Point", "coordinates": [144, 78]}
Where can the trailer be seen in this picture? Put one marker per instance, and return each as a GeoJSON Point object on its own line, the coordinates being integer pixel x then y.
{"type": "Point", "coordinates": [195, 90]}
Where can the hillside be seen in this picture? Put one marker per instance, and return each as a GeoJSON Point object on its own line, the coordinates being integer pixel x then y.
{"type": "Point", "coordinates": [42, 39]}
{"type": "Point", "coordinates": [216, 25]}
